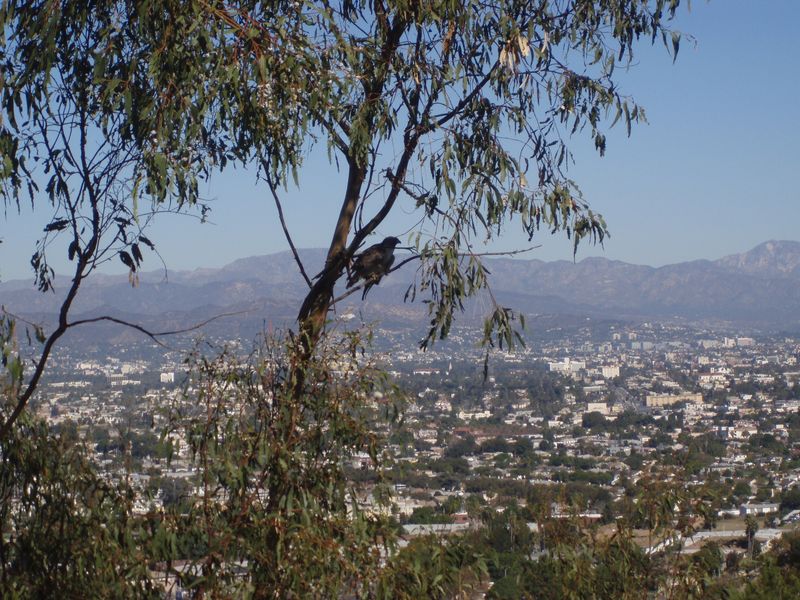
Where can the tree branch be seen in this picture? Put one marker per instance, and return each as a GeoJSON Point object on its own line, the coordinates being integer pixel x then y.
{"type": "Point", "coordinates": [157, 334]}
{"type": "Point", "coordinates": [466, 99]}
{"type": "Point", "coordinates": [504, 252]}
{"type": "Point", "coordinates": [317, 302]}
{"type": "Point", "coordinates": [61, 330]}
{"type": "Point", "coordinates": [397, 183]}
{"type": "Point", "coordinates": [359, 287]}
{"type": "Point", "coordinates": [330, 127]}
{"type": "Point", "coordinates": [402, 263]}
{"type": "Point", "coordinates": [285, 228]}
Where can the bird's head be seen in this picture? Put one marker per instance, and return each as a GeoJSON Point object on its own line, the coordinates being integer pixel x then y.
{"type": "Point", "coordinates": [390, 242]}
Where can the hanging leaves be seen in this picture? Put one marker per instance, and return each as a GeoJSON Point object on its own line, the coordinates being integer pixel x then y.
{"type": "Point", "coordinates": [73, 249]}
{"type": "Point", "coordinates": [127, 260]}
{"type": "Point", "coordinates": [137, 254]}
{"type": "Point", "coordinates": [57, 225]}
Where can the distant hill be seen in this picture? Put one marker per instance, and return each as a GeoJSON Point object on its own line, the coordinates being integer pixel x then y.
{"type": "Point", "coordinates": [759, 288]}
{"type": "Point", "coordinates": [770, 259]}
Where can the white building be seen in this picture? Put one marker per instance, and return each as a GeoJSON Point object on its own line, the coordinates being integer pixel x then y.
{"type": "Point", "coordinates": [567, 366]}
{"type": "Point", "coordinates": [658, 400]}
{"type": "Point", "coordinates": [600, 407]}
{"type": "Point", "coordinates": [758, 509]}
{"type": "Point", "coordinates": [610, 372]}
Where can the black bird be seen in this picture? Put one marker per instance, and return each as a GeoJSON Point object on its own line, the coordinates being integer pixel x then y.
{"type": "Point", "coordinates": [372, 264]}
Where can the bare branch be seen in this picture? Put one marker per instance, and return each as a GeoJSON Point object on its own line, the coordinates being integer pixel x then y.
{"type": "Point", "coordinates": [466, 99]}
{"type": "Point", "coordinates": [330, 128]}
{"type": "Point", "coordinates": [154, 335]}
{"type": "Point", "coordinates": [504, 252]}
{"type": "Point", "coordinates": [397, 180]}
{"type": "Point", "coordinates": [285, 228]}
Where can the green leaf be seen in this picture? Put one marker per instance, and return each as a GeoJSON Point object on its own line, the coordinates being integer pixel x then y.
{"type": "Point", "coordinates": [15, 370]}
{"type": "Point", "coordinates": [676, 41]}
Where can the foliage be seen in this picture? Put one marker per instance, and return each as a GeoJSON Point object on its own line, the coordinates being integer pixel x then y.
{"type": "Point", "coordinates": [272, 493]}
{"type": "Point", "coordinates": [63, 527]}
{"type": "Point", "coordinates": [766, 443]}
{"type": "Point", "coordinates": [109, 105]}
{"type": "Point", "coordinates": [593, 420]}
{"type": "Point", "coordinates": [778, 575]}
{"type": "Point", "coordinates": [428, 515]}
{"type": "Point", "coordinates": [614, 568]}
{"type": "Point", "coordinates": [271, 489]}
{"type": "Point", "coordinates": [460, 447]}
{"type": "Point", "coordinates": [790, 499]}
{"type": "Point", "coordinates": [479, 100]}
{"type": "Point", "coordinates": [432, 568]}
{"type": "Point", "coordinates": [73, 142]}
{"type": "Point", "coordinates": [569, 558]}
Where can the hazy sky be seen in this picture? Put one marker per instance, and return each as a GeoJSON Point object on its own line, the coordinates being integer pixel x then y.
{"type": "Point", "coordinates": [714, 172]}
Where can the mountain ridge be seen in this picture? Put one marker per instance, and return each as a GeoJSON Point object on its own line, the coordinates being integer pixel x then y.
{"type": "Point", "coordinates": [760, 288]}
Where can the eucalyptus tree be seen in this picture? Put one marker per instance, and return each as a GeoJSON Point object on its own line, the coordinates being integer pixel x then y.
{"type": "Point", "coordinates": [461, 112]}
{"type": "Point", "coordinates": [110, 103]}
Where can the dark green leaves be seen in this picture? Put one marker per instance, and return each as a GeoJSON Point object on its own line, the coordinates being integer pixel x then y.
{"type": "Point", "coordinates": [57, 225]}
{"type": "Point", "coordinates": [43, 273]}
{"type": "Point", "coordinates": [137, 254]}
{"type": "Point", "coordinates": [127, 260]}
{"type": "Point", "coordinates": [73, 249]}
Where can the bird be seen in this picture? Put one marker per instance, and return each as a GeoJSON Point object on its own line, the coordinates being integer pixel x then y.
{"type": "Point", "coordinates": [372, 264]}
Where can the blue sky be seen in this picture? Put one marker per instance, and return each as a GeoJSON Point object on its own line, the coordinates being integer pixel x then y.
{"type": "Point", "coordinates": [714, 172]}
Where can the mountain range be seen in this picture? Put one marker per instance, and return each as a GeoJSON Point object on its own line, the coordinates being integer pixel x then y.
{"type": "Point", "coordinates": [756, 289]}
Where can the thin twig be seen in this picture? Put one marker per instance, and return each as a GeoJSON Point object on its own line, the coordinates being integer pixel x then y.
{"type": "Point", "coordinates": [348, 293]}
{"type": "Point", "coordinates": [505, 252]}
{"type": "Point", "coordinates": [285, 228]}
{"type": "Point", "coordinates": [155, 335]}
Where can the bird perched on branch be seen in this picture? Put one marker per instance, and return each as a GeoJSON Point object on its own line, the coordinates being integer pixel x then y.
{"type": "Point", "coordinates": [372, 264]}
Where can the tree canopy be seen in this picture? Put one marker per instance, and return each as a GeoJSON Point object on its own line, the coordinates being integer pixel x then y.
{"type": "Point", "coordinates": [459, 112]}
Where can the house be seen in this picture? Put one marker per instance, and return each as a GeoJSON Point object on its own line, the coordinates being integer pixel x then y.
{"type": "Point", "coordinates": [765, 508]}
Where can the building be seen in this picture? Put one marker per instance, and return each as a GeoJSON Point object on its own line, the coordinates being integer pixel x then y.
{"type": "Point", "coordinates": [758, 509]}
{"type": "Point", "coordinates": [610, 372]}
{"type": "Point", "coordinates": [466, 415]}
{"type": "Point", "coordinates": [567, 366]}
{"type": "Point", "coordinates": [600, 407]}
{"type": "Point", "coordinates": [659, 400]}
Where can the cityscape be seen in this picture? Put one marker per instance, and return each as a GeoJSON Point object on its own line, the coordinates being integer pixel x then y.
{"type": "Point", "coordinates": [579, 420]}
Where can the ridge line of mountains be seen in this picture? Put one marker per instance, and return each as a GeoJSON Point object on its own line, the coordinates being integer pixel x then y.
{"type": "Point", "coordinates": [758, 289]}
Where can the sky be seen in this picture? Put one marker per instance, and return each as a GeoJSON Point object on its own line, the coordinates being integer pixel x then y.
{"type": "Point", "coordinates": [714, 172]}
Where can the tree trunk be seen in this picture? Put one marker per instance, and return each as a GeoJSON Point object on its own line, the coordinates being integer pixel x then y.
{"type": "Point", "coordinates": [314, 310]}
